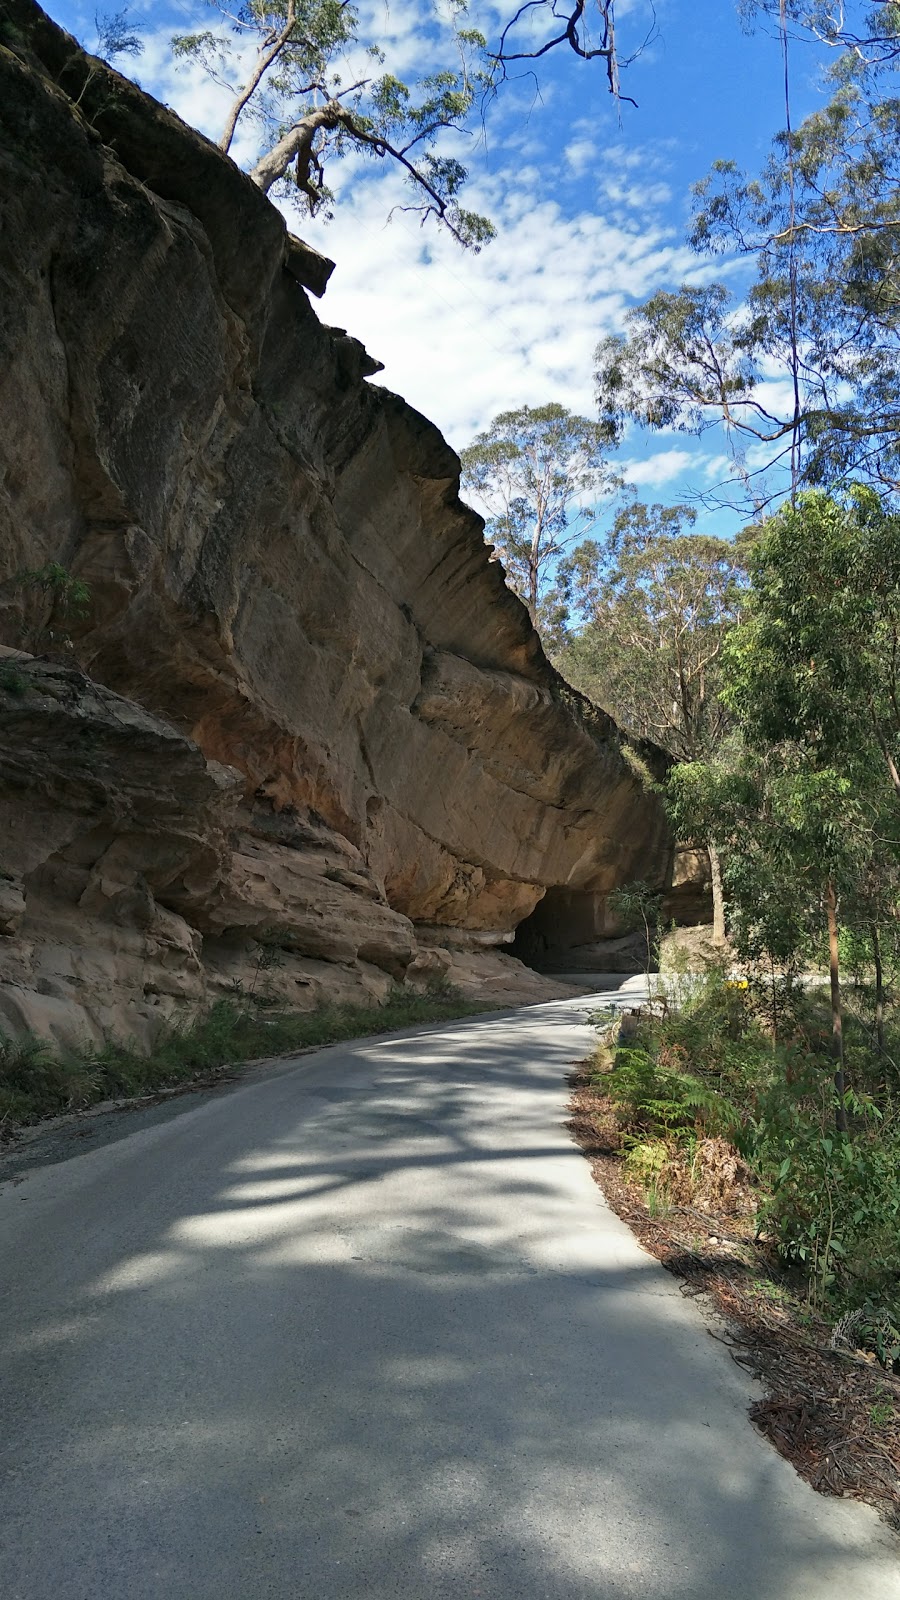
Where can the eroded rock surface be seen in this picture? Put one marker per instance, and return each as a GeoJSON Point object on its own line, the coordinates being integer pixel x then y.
{"type": "Point", "coordinates": [302, 733]}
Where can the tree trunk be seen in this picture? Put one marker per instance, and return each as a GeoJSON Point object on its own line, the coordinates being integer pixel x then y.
{"type": "Point", "coordinates": [837, 1020]}
{"type": "Point", "coordinates": [718, 894]}
{"type": "Point", "coordinates": [296, 145]}
{"type": "Point", "coordinates": [648, 957]}
{"type": "Point", "coordinates": [879, 989]}
{"type": "Point", "coordinates": [264, 59]}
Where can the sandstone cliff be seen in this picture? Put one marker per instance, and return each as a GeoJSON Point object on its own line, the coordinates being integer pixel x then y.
{"type": "Point", "coordinates": [300, 727]}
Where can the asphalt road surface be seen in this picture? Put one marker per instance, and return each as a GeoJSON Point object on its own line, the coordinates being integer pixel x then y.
{"type": "Point", "coordinates": [361, 1327]}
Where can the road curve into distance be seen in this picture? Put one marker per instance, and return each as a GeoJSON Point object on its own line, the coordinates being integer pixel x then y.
{"type": "Point", "coordinates": [362, 1328]}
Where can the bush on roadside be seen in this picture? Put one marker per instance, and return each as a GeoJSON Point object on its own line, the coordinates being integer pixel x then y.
{"type": "Point", "coordinates": [717, 1111]}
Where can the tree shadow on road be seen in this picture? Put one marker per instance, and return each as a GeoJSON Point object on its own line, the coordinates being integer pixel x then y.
{"type": "Point", "coordinates": [346, 1341]}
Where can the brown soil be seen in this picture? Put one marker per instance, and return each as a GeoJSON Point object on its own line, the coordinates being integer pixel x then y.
{"type": "Point", "coordinates": [834, 1413]}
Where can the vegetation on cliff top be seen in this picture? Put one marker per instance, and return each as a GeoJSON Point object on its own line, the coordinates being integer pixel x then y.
{"type": "Point", "coordinates": [312, 87]}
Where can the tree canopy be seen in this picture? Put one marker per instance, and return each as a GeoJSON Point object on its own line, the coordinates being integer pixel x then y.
{"type": "Point", "coordinates": [816, 660]}
{"type": "Point", "coordinates": [539, 472]}
{"type": "Point", "coordinates": [804, 372]}
{"type": "Point", "coordinates": [870, 31]}
{"type": "Point", "coordinates": [807, 813]}
{"type": "Point", "coordinates": [655, 604]}
{"type": "Point", "coordinates": [304, 74]}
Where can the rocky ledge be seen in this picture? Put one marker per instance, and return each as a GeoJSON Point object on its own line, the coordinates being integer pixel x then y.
{"type": "Point", "coordinates": [296, 734]}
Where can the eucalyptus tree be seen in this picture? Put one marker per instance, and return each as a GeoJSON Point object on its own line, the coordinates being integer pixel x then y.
{"type": "Point", "coordinates": [869, 31]}
{"type": "Point", "coordinates": [541, 473]}
{"type": "Point", "coordinates": [308, 80]}
{"type": "Point", "coordinates": [798, 837]}
{"type": "Point", "coordinates": [820, 665]}
{"type": "Point", "coordinates": [589, 30]}
{"type": "Point", "coordinates": [654, 606]}
{"type": "Point", "coordinates": [805, 372]}
{"type": "Point", "coordinates": [817, 660]}
{"type": "Point", "coordinates": [810, 810]}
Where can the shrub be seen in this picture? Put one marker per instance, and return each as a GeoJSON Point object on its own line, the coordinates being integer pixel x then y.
{"type": "Point", "coordinates": [715, 1111]}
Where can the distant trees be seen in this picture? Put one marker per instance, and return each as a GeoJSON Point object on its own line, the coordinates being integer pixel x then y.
{"type": "Point", "coordinates": [302, 72]}
{"type": "Point", "coordinates": [539, 473]}
{"type": "Point", "coordinates": [655, 605]}
{"type": "Point", "coordinates": [769, 668]}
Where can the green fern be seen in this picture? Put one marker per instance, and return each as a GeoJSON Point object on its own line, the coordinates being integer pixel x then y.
{"type": "Point", "coordinates": [655, 1099]}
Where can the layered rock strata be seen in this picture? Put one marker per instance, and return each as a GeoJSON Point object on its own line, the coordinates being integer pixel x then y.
{"type": "Point", "coordinates": [294, 732]}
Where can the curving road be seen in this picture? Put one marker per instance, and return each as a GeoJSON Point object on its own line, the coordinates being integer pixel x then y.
{"type": "Point", "coordinates": [362, 1328]}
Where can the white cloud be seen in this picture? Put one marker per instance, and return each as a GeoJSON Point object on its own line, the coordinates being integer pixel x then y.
{"type": "Point", "coordinates": [664, 467]}
{"type": "Point", "coordinates": [635, 196]}
{"type": "Point", "coordinates": [464, 336]}
{"type": "Point", "coordinates": [718, 467]}
{"type": "Point", "coordinates": [776, 396]}
{"type": "Point", "coordinates": [580, 155]}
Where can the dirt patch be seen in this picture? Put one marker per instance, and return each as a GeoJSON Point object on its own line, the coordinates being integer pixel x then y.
{"type": "Point", "coordinates": [834, 1413]}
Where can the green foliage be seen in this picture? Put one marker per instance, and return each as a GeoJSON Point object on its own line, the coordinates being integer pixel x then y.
{"type": "Point", "coordinates": [117, 35]}
{"type": "Point", "coordinates": [822, 221]}
{"type": "Point", "coordinates": [654, 606]}
{"type": "Point", "coordinates": [38, 1079]}
{"type": "Point", "coordinates": [656, 1097]}
{"type": "Point", "coordinates": [539, 473]}
{"type": "Point", "coordinates": [830, 1200]}
{"type": "Point", "coordinates": [805, 804]}
{"type": "Point", "coordinates": [785, 832]}
{"type": "Point", "coordinates": [307, 116]}
{"type": "Point", "coordinates": [69, 595]}
{"type": "Point", "coordinates": [35, 1075]}
{"type": "Point", "coordinates": [702, 1055]}
{"type": "Point", "coordinates": [63, 600]}
{"type": "Point", "coordinates": [648, 1162]}
{"type": "Point", "coordinates": [833, 1199]}
{"type": "Point", "coordinates": [637, 903]}
{"type": "Point", "coordinates": [817, 660]}
{"type": "Point", "coordinates": [12, 681]}
{"type": "Point", "coordinates": [877, 1327]}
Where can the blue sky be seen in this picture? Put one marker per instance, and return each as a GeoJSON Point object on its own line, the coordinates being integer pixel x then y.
{"type": "Point", "coordinates": [590, 202]}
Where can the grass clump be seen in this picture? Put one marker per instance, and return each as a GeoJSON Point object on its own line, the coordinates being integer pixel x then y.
{"type": "Point", "coordinates": [38, 1079]}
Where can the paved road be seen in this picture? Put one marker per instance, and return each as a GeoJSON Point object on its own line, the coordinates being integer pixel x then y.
{"type": "Point", "coordinates": [362, 1328]}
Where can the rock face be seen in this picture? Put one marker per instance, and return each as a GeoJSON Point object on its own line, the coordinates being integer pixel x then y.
{"type": "Point", "coordinates": [299, 735]}
{"type": "Point", "coordinates": [689, 901]}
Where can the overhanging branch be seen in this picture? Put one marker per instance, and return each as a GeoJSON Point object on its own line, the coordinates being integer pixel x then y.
{"type": "Point", "coordinates": [576, 33]}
